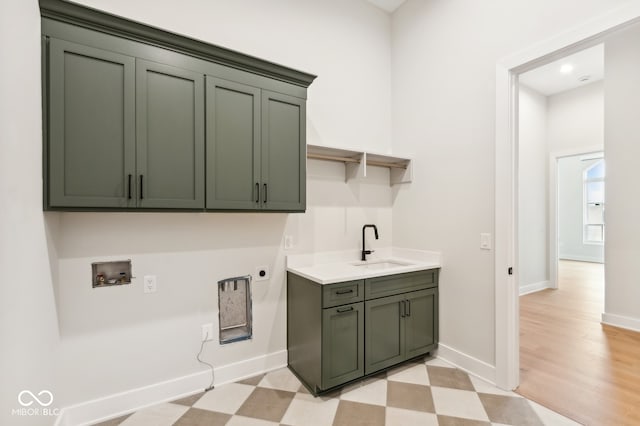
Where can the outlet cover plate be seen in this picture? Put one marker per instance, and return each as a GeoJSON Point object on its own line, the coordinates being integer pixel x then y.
{"type": "Point", "coordinates": [150, 284]}
{"type": "Point", "coordinates": [262, 273]}
{"type": "Point", "coordinates": [207, 332]}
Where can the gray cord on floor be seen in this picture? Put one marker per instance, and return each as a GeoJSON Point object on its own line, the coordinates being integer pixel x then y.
{"type": "Point", "coordinates": [206, 363]}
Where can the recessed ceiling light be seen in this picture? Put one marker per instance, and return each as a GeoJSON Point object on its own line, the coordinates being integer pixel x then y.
{"type": "Point", "coordinates": [566, 69]}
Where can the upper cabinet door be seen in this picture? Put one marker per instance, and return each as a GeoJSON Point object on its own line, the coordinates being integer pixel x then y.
{"type": "Point", "coordinates": [91, 127]}
{"type": "Point", "coordinates": [233, 145]}
{"type": "Point", "coordinates": [283, 152]}
{"type": "Point", "coordinates": [170, 136]}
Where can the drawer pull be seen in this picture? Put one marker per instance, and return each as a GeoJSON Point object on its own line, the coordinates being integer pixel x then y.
{"type": "Point", "coordinates": [344, 291]}
{"type": "Point", "coordinates": [347, 309]}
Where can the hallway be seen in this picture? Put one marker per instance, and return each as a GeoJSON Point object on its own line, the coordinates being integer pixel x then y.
{"type": "Point", "coordinates": [569, 361]}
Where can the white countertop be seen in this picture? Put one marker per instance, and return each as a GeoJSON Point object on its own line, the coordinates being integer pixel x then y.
{"type": "Point", "coordinates": [338, 266]}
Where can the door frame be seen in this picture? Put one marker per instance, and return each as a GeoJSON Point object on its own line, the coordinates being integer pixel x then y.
{"type": "Point", "coordinates": [506, 171]}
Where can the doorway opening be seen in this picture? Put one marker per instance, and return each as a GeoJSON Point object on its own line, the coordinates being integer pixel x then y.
{"type": "Point", "coordinates": [507, 169]}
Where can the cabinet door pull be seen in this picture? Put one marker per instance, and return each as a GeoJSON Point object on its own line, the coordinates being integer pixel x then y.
{"type": "Point", "coordinates": [347, 309]}
{"type": "Point", "coordinates": [129, 187]}
{"type": "Point", "coordinates": [141, 187]}
{"type": "Point", "coordinates": [344, 291]}
{"type": "Point", "coordinates": [257, 192]}
{"type": "Point", "coordinates": [403, 308]}
{"type": "Point", "coordinates": [265, 193]}
{"type": "Point", "coordinates": [408, 311]}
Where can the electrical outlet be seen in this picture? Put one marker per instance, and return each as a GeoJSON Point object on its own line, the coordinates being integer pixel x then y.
{"type": "Point", "coordinates": [150, 284]}
{"type": "Point", "coordinates": [207, 332]}
{"type": "Point", "coordinates": [288, 242]}
{"type": "Point", "coordinates": [262, 273]}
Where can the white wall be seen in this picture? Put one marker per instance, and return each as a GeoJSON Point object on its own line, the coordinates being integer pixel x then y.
{"type": "Point", "coordinates": [110, 340]}
{"type": "Point", "coordinates": [444, 55]}
{"type": "Point", "coordinates": [570, 212]}
{"type": "Point", "coordinates": [576, 118]}
{"type": "Point", "coordinates": [622, 129]}
{"type": "Point", "coordinates": [28, 330]}
{"type": "Point", "coordinates": [533, 228]}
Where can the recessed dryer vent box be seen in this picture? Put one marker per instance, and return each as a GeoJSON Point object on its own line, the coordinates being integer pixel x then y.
{"type": "Point", "coordinates": [234, 309]}
{"type": "Point", "coordinates": [106, 274]}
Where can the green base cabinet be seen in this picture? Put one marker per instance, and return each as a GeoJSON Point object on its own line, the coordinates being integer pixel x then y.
{"type": "Point", "coordinates": [337, 333]}
{"type": "Point", "coordinates": [399, 328]}
{"type": "Point", "coordinates": [342, 344]}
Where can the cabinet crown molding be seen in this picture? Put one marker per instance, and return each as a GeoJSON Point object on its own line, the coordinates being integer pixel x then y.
{"type": "Point", "coordinates": [87, 17]}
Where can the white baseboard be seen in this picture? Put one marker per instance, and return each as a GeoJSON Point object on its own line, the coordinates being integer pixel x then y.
{"type": "Point", "coordinates": [629, 323]}
{"type": "Point", "coordinates": [579, 258]}
{"type": "Point", "coordinates": [532, 288]}
{"type": "Point", "coordinates": [467, 363]}
{"type": "Point", "coordinates": [119, 404]}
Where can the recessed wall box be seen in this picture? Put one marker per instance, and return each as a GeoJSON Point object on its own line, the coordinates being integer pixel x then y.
{"type": "Point", "coordinates": [234, 309]}
{"type": "Point", "coordinates": [104, 274]}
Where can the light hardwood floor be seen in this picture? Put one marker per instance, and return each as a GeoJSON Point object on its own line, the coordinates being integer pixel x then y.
{"type": "Point", "coordinates": [569, 361]}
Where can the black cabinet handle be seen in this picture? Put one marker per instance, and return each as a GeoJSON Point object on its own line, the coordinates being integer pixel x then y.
{"type": "Point", "coordinates": [141, 187]}
{"type": "Point", "coordinates": [408, 305]}
{"type": "Point", "coordinates": [257, 192]}
{"type": "Point", "coordinates": [347, 309]}
{"type": "Point", "coordinates": [265, 193]}
{"type": "Point", "coordinates": [403, 309]}
{"type": "Point", "coordinates": [344, 291]}
{"type": "Point", "coordinates": [129, 186]}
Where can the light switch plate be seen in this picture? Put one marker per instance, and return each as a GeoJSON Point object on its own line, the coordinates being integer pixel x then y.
{"type": "Point", "coordinates": [485, 241]}
{"type": "Point", "coordinates": [288, 242]}
{"type": "Point", "coordinates": [150, 284]}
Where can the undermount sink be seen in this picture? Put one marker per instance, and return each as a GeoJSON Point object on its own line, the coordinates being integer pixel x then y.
{"type": "Point", "coordinates": [381, 264]}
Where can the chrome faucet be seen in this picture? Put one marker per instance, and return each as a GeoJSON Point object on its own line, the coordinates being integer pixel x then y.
{"type": "Point", "coordinates": [366, 252]}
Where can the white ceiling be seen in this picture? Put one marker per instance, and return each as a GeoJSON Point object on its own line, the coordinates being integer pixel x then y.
{"type": "Point", "coordinates": [548, 80]}
{"type": "Point", "coordinates": [387, 5]}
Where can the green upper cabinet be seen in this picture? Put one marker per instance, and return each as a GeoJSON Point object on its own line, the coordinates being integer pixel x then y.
{"type": "Point", "coordinates": [256, 148]}
{"type": "Point", "coordinates": [170, 136]}
{"type": "Point", "coordinates": [124, 132]}
{"type": "Point", "coordinates": [135, 117]}
{"type": "Point", "coordinates": [283, 152]}
{"type": "Point", "coordinates": [233, 145]}
{"type": "Point", "coordinates": [92, 128]}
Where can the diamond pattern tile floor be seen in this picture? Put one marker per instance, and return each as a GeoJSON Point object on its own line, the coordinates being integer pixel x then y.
{"type": "Point", "coordinates": [430, 393]}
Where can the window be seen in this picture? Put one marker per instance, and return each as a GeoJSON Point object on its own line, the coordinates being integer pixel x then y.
{"type": "Point", "coordinates": [594, 203]}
